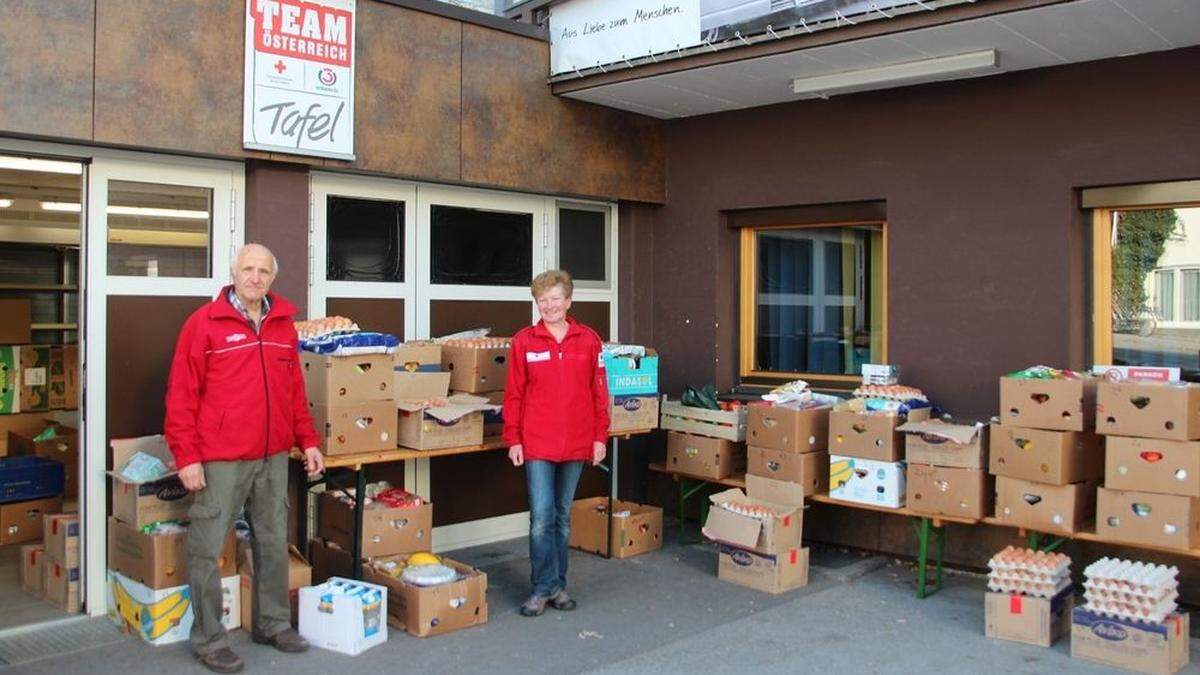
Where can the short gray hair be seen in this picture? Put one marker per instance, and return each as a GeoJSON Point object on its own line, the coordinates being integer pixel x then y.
{"type": "Point", "coordinates": [238, 256]}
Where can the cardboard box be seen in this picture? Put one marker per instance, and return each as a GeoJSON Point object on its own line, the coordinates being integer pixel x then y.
{"type": "Point", "coordinates": [854, 432]}
{"type": "Point", "coordinates": [773, 534]}
{"type": "Point", "coordinates": [164, 616]}
{"type": "Point", "coordinates": [31, 423]}
{"type": "Point", "coordinates": [809, 470]}
{"type": "Point", "coordinates": [1063, 405]}
{"type": "Point", "coordinates": [72, 373]}
{"type": "Point", "coordinates": [158, 561]}
{"type": "Point", "coordinates": [629, 376]}
{"type": "Point", "coordinates": [791, 429]}
{"type": "Point", "coordinates": [475, 369]}
{"type": "Point", "coordinates": [949, 491]}
{"type": "Point", "coordinates": [1053, 457]}
{"type": "Point", "coordinates": [421, 430]}
{"type": "Point", "coordinates": [33, 559]}
{"type": "Point", "coordinates": [703, 456]}
{"type": "Point", "coordinates": [355, 427]}
{"type": "Point", "coordinates": [63, 448]}
{"type": "Point", "coordinates": [35, 378]}
{"type": "Point", "coordinates": [768, 572]}
{"type": "Point", "coordinates": [636, 528]}
{"type": "Point", "coordinates": [385, 531]}
{"type": "Point", "coordinates": [299, 575]}
{"type": "Point", "coordinates": [61, 584]}
{"type": "Point", "coordinates": [418, 356]}
{"type": "Point", "coordinates": [421, 386]}
{"type": "Point", "coordinates": [1152, 465]}
{"type": "Point", "coordinates": [343, 380]}
{"type": "Point", "coordinates": [22, 521]}
{"type": "Point", "coordinates": [141, 504]}
{"type": "Point", "coordinates": [937, 443]}
{"type": "Point", "coordinates": [880, 374]}
{"type": "Point", "coordinates": [329, 560]}
{"type": "Point", "coordinates": [1158, 649]}
{"type": "Point", "coordinates": [1020, 618]}
{"type": "Point", "coordinates": [632, 413]}
{"type": "Point", "coordinates": [1168, 410]}
{"type": "Point", "coordinates": [16, 315]}
{"type": "Point", "coordinates": [1145, 518]}
{"type": "Point", "coordinates": [350, 624]}
{"type": "Point", "coordinates": [866, 481]}
{"type": "Point", "coordinates": [60, 535]}
{"type": "Point", "coordinates": [58, 379]}
{"type": "Point", "coordinates": [433, 610]}
{"type": "Point", "coordinates": [493, 421]}
{"type": "Point", "coordinates": [1053, 509]}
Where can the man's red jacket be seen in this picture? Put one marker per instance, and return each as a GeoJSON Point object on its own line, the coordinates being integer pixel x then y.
{"type": "Point", "coordinates": [234, 394]}
{"type": "Point", "coordinates": [556, 396]}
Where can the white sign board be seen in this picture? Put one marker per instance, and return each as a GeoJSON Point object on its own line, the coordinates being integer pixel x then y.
{"type": "Point", "coordinates": [584, 34]}
{"type": "Point", "coordinates": [299, 83]}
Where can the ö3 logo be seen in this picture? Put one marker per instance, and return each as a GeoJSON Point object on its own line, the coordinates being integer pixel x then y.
{"type": "Point", "coordinates": [1110, 631]}
{"type": "Point", "coordinates": [327, 77]}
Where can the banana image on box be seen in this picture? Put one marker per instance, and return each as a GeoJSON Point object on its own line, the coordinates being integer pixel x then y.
{"type": "Point", "coordinates": [164, 616]}
{"type": "Point", "coordinates": [867, 481]}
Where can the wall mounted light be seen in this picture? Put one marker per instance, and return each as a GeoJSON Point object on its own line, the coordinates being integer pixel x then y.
{"type": "Point", "coordinates": [896, 74]}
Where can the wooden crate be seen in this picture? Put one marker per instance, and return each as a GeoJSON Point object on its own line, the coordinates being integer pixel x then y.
{"type": "Point", "coordinates": [730, 425]}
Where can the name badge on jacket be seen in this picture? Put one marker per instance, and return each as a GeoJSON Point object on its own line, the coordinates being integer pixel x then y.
{"type": "Point", "coordinates": [533, 357]}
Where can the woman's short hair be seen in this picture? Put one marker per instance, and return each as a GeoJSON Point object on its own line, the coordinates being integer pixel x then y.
{"type": "Point", "coordinates": [549, 279]}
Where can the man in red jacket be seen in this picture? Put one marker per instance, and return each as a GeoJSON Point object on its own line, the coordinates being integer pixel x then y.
{"type": "Point", "coordinates": [235, 408]}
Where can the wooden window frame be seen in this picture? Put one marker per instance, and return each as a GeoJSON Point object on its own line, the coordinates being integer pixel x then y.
{"type": "Point", "coordinates": [1102, 342]}
{"type": "Point", "coordinates": [747, 292]}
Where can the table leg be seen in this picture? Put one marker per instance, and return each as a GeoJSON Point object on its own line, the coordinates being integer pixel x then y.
{"type": "Point", "coordinates": [612, 494]}
{"type": "Point", "coordinates": [360, 475]}
{"type": "Point", "coordinates": [925, 527]}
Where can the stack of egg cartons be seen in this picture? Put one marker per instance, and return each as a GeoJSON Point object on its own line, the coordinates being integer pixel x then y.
{"type": "Point", "coordinates": [1029, 596]}
{"type": "Point", "coordinates": [1026, 572]}
{"type": "Point", "coordinates": [1138, 591]}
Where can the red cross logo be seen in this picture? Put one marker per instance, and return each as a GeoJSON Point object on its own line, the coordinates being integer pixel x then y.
{"type": "Point", "coordinates": [280, 67]}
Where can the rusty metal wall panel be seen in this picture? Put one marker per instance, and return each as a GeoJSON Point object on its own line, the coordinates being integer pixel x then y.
{"type": "Point", "coordinates": [169, 75]}
{"type": "Point", "coordinates": [46, 67]}
{"type": "Point", "coordinates": [276, 213]}
{"type": "Point", "coordinates": [407, 90]}
{"type": "Point", "coordinates": [517, 134]}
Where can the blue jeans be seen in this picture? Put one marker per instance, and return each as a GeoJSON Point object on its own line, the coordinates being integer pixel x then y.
{"type": "Point", "coordinates": [551, 493]}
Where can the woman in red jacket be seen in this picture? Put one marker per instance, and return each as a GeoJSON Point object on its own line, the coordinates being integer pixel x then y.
{"type": "Point", "coordinates": [555, 419]}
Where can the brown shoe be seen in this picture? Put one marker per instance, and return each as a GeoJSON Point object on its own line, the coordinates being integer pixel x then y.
{"type": "Point", "coordinates": [222, 660]}
{"type": "Point", "coordinates": [286, 640]}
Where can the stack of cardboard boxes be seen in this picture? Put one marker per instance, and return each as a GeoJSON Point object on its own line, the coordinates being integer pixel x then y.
{"type": "Point", "coordinates": [758, 535]}
{"type": "Point", "coordinates": [148, 592]}
{"type": "Point", "coordinates": [1045, 454]}
{"type": "Point", "coordinates": [866, 454]}
{"type": "Point", "coordinates": [632, 390]}
{"type": "Point", "coordinates": [425, 372]}
{"type": "Point", "coordinates": [704, 443]}
{"type": "Point", "coordinates": [352, 401]}
{"type": "Point", "coordinates": [1151, 492]}
{"type": "Point", "coordinates": [947, 469]}
{"type": "Point", "coordinates": [50, 569]}
{"type": "Point", "coordinates": [789, 444]}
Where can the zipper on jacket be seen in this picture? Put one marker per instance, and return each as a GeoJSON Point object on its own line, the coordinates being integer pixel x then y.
{"type": "Point", "coordinates": [262, 361]}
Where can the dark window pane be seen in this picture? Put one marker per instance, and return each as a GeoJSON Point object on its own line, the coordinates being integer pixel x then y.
{"type": "Point", "coordinates": [482, 248]}
{"type": "Point", "coordinates": [811, 315]}
{"type": "Point", "coordinates": [582, 239]}
{"type": "Point", "coordinates": [365, 240]}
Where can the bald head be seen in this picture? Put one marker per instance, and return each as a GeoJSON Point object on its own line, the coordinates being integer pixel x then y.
{"type": "Point", "coordinates": [253, 271]}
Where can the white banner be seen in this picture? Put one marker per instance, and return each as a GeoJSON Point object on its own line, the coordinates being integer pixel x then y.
{"type": "Point", "coordinates": [587, 33]}
{"type": "Point", "coordinates": [590, 32]}
{"type": "Point", "coordinates": [299, 81]}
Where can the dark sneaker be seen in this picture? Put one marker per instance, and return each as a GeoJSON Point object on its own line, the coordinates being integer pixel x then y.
{"type": "Point", "coordinates": [534, 606]}
{"type": "Point", "coordinates": [221, 660]}
{"type": "Point", "coordinates": [286, 640]}
{"type": "Point", "coordinates": [562, 601]}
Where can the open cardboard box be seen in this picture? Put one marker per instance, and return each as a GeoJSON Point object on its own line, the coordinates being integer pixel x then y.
{"type": "Point", "coordinates": [459, 423]}
{"type": "Point", "coordinates": [476, 369]}
{"type": "Point", "coordinates": [636, 528]}
{"type": "Point", "coordinates": [1169, 410]}
{"type": "Point", "coordinates": [762, 535]}
{"type": "Point", "coordinates": [299, 575]}
{"type": "Point", "coordinates": [385, 531]}
{"type": "Point", "coordinates": [937, 443]}
{"type": "Point", "coordinates": [161, 560]}
{"type": "Point", "coordinates": [433, 610]}
{"type": "Point", "coordinates": [141, 504]}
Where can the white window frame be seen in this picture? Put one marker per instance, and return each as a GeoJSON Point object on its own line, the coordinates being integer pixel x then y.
{"type": "Point", "coordinates": [610, 242]}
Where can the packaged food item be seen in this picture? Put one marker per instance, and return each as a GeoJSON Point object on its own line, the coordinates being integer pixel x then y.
{"type": "Point", "coordinates": [1045, 373]}
{"type": "Point", "coordinates": [1138, 591]}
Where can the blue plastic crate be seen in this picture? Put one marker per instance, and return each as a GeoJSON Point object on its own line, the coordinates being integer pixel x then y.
{"type": "Point", "coordinates": [24, 478]}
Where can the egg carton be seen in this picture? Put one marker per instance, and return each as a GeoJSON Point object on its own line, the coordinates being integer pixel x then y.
{"type": "Point", "coordinates": [1137, 578]}
{"type": "Point", "coordinates": [1156, 613]}
{"type": "Point", "coordinates": [1050, 564]}
{"type": "Point", "coordinates": [1029, 575]}
{"type": "Point", "coordinates": [749, 509]}
{"type": "Point", "coordinates": [1129, 596]}
{"type": "Point", "coordinates": [1031, 588]}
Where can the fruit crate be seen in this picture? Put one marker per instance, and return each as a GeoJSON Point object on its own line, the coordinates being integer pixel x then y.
{"type": "Point", "coordinates": [24, 478]}
{"type": "Point", "coordinates": [727, 424]}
